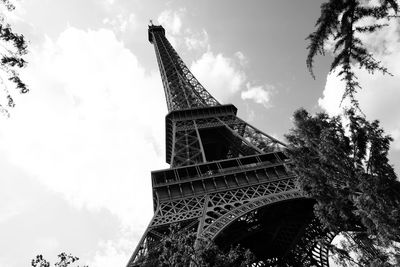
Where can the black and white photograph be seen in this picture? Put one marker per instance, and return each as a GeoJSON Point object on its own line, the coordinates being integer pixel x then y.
{"type": "Point", "coordinates": [199, 133]}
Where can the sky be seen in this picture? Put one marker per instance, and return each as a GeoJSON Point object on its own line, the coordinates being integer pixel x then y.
{"type": "Point", "coordinates": [77, 151]}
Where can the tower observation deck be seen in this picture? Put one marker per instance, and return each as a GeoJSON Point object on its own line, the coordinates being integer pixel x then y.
{"type": "Point", "coordinates": [228, 181]}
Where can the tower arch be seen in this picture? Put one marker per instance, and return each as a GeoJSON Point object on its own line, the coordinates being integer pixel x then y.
{"type": "Point", "coordinates": [225, 215]}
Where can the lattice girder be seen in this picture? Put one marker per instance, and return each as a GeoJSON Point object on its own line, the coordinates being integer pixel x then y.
{"type": "Point", "coordinates": [261, 196]}
{"type": "Point", "coordinates": [183, 209]}
{"type": "Point", "coordinates": [229, 174]}
{"type": "Point", "coordinates": [240, 138]}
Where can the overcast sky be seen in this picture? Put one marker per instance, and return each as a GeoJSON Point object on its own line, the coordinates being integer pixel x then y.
{"type": "Point", "coordinates": [76, 154]}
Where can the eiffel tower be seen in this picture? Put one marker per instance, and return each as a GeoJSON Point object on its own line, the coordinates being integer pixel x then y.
{"type": "Point", "coordinates": [228, 181]}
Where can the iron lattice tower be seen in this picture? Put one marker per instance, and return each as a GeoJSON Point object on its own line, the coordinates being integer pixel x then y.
{"type": "Point", "coordinates": [227, 180]}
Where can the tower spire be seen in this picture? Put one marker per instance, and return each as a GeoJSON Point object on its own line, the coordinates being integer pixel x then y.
{"type": "Point", "coordinates": [182, 89]}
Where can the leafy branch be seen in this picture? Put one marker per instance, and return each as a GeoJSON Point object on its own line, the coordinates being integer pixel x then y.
{"type": "Point", "coordinates": [64, 260]}
{"type": "Point", "coordinates": [338, 22]}
{"type": "Point", "coordinates": [13, 48]}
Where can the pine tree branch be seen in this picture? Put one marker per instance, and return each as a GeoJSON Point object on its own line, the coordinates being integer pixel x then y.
{"type": "Point", "coordinates": [337, 22]}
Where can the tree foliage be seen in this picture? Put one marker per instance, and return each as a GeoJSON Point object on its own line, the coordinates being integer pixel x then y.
{"type": "Point", "coordinates": [340, 22]}
{"type": "Point", "coordinates": [182, 249]}
{"type": "Point", "coordinates": [13, 47]}
{"type": "Point", "coordinates": [64, 260]}
{"type": "Point", "coordinates": [346, 169]}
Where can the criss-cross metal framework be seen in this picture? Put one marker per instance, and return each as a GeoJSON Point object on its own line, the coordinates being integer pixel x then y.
{"type": "Point", "coordinates": [228, 180]}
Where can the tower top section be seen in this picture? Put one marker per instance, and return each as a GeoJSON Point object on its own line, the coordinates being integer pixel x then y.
{"type": "Point", "coordinates": [153, 29]}
{"type": "Point", "coordinates": [182, 89]}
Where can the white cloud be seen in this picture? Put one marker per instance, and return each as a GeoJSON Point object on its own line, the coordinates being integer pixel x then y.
{"type": "Point", "coordinates": [380, 95]}
{"type": "Point", "coordinates": [122, 22]}
{"type": "Point", "coordinates": [178, 35]}
{"type": "Point", "coordinates": [197, 41]}
{"type": "Point", "coordinates": [90, 130]}
{"type": "Point", "coordinates": [172, 20]}
{"type": "Point", "coordinates": [5, 262]}
{"type": "Point", "coordinates": [91, 127]}
{"type": "Point", "coordinates": [12, 204]}
{"type": "Point", "coordinates": [396, 136]}
{"type": "Point", "coordinates": [219, 75]}
{"type": "Point", "coordinates": [47, 244]}
{"type": "Point", "coordinates": [259, 94]}
{"type": "Point", "coordinates": [250, 113]}
{"type": "Point", "coordinates": [332, 94]}
{"type": "Point", "coordinates": [223, 77]}
{"type": "Point", "coordinates": [113, 253]}
{"type": "Point", "coordinates": [8, 209]}
{"type": "Point", "coordinates": [244, 61]}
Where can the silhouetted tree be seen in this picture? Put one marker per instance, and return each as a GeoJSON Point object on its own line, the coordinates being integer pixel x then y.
{"type": "Point", "coordinates": [340, 23]}
{"type": "Point", "coordinates": [346, 169]}
{"type": "Point", "coordinates": [181, 249]}
{"type": "Point", "coordinates": [64, 260]}
{"type": "Point", "coordinates": [13, 47]}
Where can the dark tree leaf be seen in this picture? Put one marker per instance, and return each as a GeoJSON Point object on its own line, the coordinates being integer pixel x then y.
{"type": "Point", "coordinates": [346, 169]}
